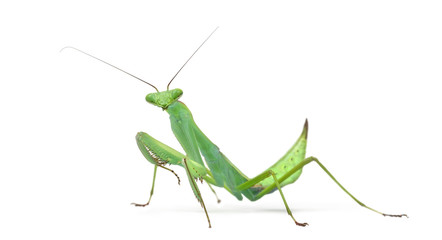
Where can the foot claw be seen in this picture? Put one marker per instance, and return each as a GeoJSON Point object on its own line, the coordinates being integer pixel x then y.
{"type": "Point", "coordinates": [301, 224]}
{"type": "Point", "coordinates": [395, 215]}
{"type": "Point", "coordinates": [139, 205]}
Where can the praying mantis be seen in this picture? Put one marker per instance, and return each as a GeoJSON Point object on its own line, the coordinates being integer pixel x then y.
{"type": "Point", "coordinates": [203, 160]}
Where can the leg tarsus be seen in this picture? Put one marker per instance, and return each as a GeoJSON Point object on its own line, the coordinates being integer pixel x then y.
{"type": "Point", "coordinates": [289, 212]}
{"type": "Point", "coordinates": [345, 190]}
{"type": "Point", "coordinates": [139, 204]}
{"type": "Point", "coordinates": [301, 224]}
{"type": "Point", "coordinates": [151, 190]}
{"type": "Point", "coordinates": [395, 215]}
{"type": "Point", "coordinates": [216, 195]}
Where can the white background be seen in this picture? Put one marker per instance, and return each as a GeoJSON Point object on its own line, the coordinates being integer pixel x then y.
{"type": "Point", "coordinates": [365, 74]}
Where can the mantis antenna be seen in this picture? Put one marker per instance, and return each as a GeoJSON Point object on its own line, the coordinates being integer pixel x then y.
{"type": "Point", "coordinates": [110, 65]}
{"type": "Point", "coordinates": [191, 57]}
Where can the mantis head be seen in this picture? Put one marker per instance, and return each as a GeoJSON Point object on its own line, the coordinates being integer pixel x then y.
{"type": "Point", "coordinates": [165, 98]}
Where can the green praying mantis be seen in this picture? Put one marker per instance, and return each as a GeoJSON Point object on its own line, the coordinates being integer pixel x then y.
{"type": "Point", "coordinates": [203, 160]}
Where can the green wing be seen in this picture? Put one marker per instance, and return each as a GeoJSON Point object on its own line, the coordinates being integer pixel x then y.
{"type": "Point", "coordinates": [195, 144]}
{"type": "Point", "coordinates": [224, 172]}
{"type": "Point", "coordinates": [182, 127]}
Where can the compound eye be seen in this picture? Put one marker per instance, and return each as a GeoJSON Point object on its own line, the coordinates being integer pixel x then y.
{"type": "Point", "coordinates": [151, 98]}
{"type": "Point", "coordinates": [176, 93]}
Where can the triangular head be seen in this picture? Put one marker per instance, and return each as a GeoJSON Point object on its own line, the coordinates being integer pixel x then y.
{"type": "Point", "coordinates": [165, 98]}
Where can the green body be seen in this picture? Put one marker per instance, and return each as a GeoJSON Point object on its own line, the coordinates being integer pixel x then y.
{"type": "Point", "coordinates": [203, 160]}
{"type": "Point", "coordinates": [198, 147]}
{"type": "Point", "coordinates": [201, 152]}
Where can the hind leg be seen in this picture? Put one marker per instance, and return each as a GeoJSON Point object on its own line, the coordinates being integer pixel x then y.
{"type": "Point", "coordinates": [276, 184]}
{"type": "Point", "coordinates": [313, 159]}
